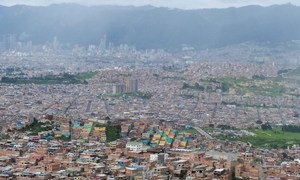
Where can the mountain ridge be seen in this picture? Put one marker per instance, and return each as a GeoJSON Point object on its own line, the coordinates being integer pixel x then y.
{"type": "Point", "coordinates": [149, 27]}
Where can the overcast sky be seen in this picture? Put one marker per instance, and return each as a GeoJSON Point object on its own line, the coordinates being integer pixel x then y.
{"type": "Point", "coordinates": [182, 4]}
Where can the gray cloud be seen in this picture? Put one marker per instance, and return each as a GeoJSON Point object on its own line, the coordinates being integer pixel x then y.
{"type": "Point", "coordinates": [182, 4]}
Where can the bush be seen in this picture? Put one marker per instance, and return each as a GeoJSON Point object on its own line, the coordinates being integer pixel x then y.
{"type": "Point", "coordinates": [266, 126]}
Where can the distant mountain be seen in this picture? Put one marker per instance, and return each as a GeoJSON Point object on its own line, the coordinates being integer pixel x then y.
{"type": "Point", "coordinates": [151, 27]}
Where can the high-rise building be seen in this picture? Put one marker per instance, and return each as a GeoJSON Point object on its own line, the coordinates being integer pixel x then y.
{"type": "Point", "coordinates": [132, 85]}
{"type": "Point", "coordinates": [102, 45]}
{"type": "Point", "coordinates": [9, 42]}
{"type": "Point", "coordinates": [119, 88]}
{"type": "Point", "coordinates": [55, 44]}
{"type": "Point", "coordinates": [111, 46]}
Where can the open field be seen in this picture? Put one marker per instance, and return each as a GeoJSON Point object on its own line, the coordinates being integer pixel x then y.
{"type": "Point", "coordinates": [189, 130]}
{"type": "Point", "coordinates": [86, 75]}
{"type": "Point", "coordinates": [244, 86]}
{"type": "Point", "coordinates": [275, 138]}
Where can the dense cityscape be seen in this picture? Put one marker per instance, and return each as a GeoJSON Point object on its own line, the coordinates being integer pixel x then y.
{"type": "Point", "coordinates": [110, 110]}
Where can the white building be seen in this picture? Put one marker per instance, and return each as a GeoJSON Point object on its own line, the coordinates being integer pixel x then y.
{"type": "Point", "coordinates": [136, 147]}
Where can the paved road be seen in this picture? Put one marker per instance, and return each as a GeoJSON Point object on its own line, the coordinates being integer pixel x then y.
{"type": "Point", "coordinates": [202, 132]}
{"type": "Point", "coordinates": [72, 103]}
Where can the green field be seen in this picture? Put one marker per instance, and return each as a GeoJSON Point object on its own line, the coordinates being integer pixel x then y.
{"type": "Point", "coordinates": [258, 85]}
{"type": "Point", "coordinates": [242, 86]}
{"type": "Point", "coordinates": [64, 78]}
{"type": "Point", "coordinates": [275, 138]}
{"type": "Point", "coordinates": [188, 130]}
{"type": "Point", "coordinates": [86, 75]}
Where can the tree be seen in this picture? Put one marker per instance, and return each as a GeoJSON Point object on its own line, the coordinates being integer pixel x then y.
{"type": "Point", "coordinates": [225, 87]}
{"type": "Point", "coordinates": [291, 128]}
{"type": "Point", "coordinates": [266, 126]}
{"type": "Point", "coordinates": [185, 85]}
{"type": "Point", "coordinates": [259, 122]}
{"type": "Point", "coordinates": [8, 80]}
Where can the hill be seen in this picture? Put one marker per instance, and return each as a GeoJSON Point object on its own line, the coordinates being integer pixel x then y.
{"type": "Point", "coordinates": [150, 27]}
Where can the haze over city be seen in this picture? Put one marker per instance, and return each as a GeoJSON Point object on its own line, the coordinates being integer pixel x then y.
{"type": "Point", "coordinates": [187, 4]}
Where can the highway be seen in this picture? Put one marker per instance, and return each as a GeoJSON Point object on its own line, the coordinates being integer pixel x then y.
{"type": "Point", "coordinates": [202, 132]}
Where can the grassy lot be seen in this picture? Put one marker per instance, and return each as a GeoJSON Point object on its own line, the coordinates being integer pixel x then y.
{"type": "Point", "coordinates": [275, 138]}
{"type": "Point", "coordinates": [86, 75]}
{"type": "Point", "coordinates": [242, 86]}
{"type": "Point", "coordinates": [188, 130]}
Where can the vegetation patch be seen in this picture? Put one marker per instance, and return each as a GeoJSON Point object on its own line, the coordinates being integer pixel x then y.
{"type": "Point", "coordinates": [64, 138]}
{"type": "Point", "coordinates": [112, 131]}
{"type": "Point", "coordinates": [294, 72]}
{"type": "Point", "coordinates": [243, 86]}
{"type": "Point", "coordinates": [64, 78]}
{"type": "Point", "coordinates": [172, 69]}
{"type": "Point", "coordinates": [275, 138]}
{"type": "Point", "coordinates": [189, 130]}
{"type": "Point", "coordinates": [4, 136]}
{"type": "Point", "coordinates": [86, 75]}
{"type": "Point", "coordinates": [291, 128]}
{"type": "Point", "coordinates": [187, 96]}
{"type": "Point", "coordinates": [195, 86]}
{"type": "Point", "coordinates": [37, 127]}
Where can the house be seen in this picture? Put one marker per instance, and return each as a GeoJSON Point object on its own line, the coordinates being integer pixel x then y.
{"type": "Point", "coordinates": [247, 170]}
{"type": "Point", "coordinates": [136, 147]}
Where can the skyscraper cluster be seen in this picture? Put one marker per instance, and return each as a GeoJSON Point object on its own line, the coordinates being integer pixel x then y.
{"type": "Point", "coordinates": [9, 42]}
{"type": "Point", "coordinates": [130, 86]}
